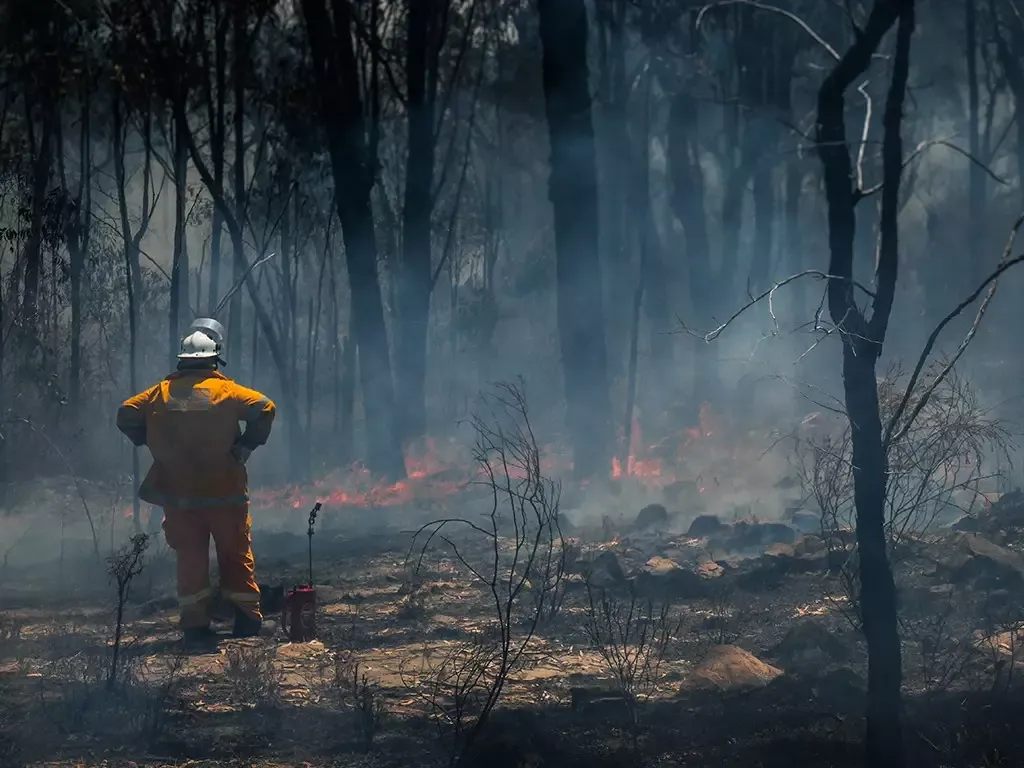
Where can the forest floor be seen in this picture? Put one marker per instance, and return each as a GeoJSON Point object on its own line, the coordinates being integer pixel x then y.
{"type": "Point", "coordinates": [735, 639]}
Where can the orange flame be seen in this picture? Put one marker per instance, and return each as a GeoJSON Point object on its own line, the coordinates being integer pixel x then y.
{"type": "Point", "coordinates": [435, 472]}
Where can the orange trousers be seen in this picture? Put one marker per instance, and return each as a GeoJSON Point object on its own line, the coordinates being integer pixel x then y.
{"type": "Point", "coordinates": [188, 533]}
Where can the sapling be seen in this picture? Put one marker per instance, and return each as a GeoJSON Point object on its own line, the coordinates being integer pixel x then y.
{"type": "Point", "coordinates": [123, 566]}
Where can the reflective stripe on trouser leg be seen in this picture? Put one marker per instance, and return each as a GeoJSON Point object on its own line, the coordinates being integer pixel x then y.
{"type": "Point", "coordinates": [231, 528]}
{"type": "Point", "coordinates": [188, 534]}
{"type": "Point", "coordinates": [195, 608]}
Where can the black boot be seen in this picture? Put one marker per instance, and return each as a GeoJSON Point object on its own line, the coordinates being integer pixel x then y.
{"type": "Point", "coordinates": [199, 637]}
{"type": "Point", "coordinates": [246, 625]}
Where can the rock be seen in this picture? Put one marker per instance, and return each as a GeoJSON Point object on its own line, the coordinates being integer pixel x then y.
{"type": "Point", "coordinates": [706, 525]}
{"type": "Point", "coordinates": [1007, 509]}
{"type": "Point", "coordinates": [605, 570]}
{"type": "Point", "coordinates": [753, 536]}
{"type": "Point", "coordinates": [598, 700]}
{"type": "Point", "coordinates": [969, 557]}
{"type": "Point", "coordinates": [660, 566]}
{"type": "Point", "coordinates": [517, 739]}
{"type": "Point", "coordinates": [730, 668]}
{"type": "Point", "coordinates": [651, 516]}
{"type": "Point", "coordinates": [710, 570]}
{"type": "Point", "coordinates": [760, 535]}
{"type": "Point", "coordinates": [760, 576]}
{"type": "Point", "coordinates": [665, 579]}
{"type": "Point", "coordinates": [809, 645]}
{"type": "Point", "coordinates": [808, 554]}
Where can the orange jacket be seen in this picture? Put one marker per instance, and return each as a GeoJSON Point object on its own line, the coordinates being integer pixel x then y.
{"type": "Point", "coordinates": [190, 422]}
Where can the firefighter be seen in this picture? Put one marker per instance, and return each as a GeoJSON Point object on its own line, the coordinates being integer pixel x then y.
{"type": "Point", "coordinates": [190, 422]}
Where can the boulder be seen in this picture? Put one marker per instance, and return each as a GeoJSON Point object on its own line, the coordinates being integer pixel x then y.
{"type": "Point", "coordinates": [730, 668]}
{"type": "Point", "coordinates": [970, 557]}
{"type": "Point", "coordinates": [808, 554]}
{"type": "Point", "coordinates": [604, 570]}
{"type": "Point", "coordinates": [662, 578]}
{"type": "Point", "coordinates": [746, 536]}
{"type": "Point", "coordinates": [809, 645]}
{"type": "Point", "coordinates": [651, 516]}
{"type": "Point", "coordinates": [710, 570]}
{"type": "Point", "coordinates": [706, 525]}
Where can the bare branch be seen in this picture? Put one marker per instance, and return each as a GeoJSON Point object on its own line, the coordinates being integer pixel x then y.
{"type": "Point", "coordinates": [773, 9]}
{"type": "Point", "coordinates": [925, 145]}
{"type": "Point", "coordinates": [991, 282]}
{"type": "Point", "coordinates": [769, 294]}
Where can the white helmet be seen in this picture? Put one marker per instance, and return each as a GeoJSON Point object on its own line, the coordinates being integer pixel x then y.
{"type": "Point", "coordinates": [199, 346]}
{"type": "Point", "coordinates": [211, 328]}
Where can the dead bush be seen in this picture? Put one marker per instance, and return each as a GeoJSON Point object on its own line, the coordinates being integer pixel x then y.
{"type": "Point", "coordinates": [514, 553]}
{"type": "Point", "coordinates": [939, 639]}
{"type": "Point", "coordinates": [941, 455]}
{"type": "Point", "coordinates": [123, 566]}
{"type": "Point", "coordinates": [632, 636]}
{"type": "Point", "coordinates": [719, 623]}
{"type": "Point", "coordinates": [254, 678]}
{"type": "Point", "coordinates": [76, 696]}
{"type": "Point", "coordinates": [344, 684]}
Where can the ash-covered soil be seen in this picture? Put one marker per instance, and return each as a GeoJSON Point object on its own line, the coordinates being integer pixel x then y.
{"type": "Point", "coordinates": [670, 639]}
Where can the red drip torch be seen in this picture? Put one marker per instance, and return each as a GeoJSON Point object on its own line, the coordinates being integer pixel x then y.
{"type": "Point", "coordinates": [298, 617]}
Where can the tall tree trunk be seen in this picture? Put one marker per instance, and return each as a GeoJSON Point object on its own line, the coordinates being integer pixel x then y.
{"type": "Point", "coordinates": [217, 145]}
{"type": "Point", "coordinates": [131, 256]}
{"type": "Point", "coordinates": [793, 242]}
{"type": "Point", "coordinates": [179, 260]}
{"type": "Point", "coordinates": [862, 340]}
{"type": "Point", "coordinates": [763, 256]}
{"type": "Point", "coordinates": [976, 174]}
{"type": "Point", "coordinates": [615, 177]}
{"type": "Point", "coordinates": [354, 170]}
{"type": "Point", "coordinates": [241, 53]}
{"type": "Point", "coordinates": [687, 201]}
{"type": "Point", "coordinates": [572, 188]}
{"type": "Point", "coordinates": [414, 279]}
{"type": "Point", "coordinates": [33, 251]}
{"type": "Point", "coordinates": [78, 245]}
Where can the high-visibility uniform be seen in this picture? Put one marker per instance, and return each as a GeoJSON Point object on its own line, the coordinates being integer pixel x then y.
{"type": "Point", "coordinates": [190, 422]}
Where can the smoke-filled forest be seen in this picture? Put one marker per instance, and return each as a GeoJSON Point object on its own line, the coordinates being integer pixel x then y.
{"type": "Point", "coordinates": [653, 366]}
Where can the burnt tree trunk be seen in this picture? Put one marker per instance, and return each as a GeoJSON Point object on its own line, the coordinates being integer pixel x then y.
{"type": "Point", "coordinates": [414, 278]}
{"type": "Point", "coordinates": [216, 103]}
{"type": "Point", "coordinates": [862, 339]}
{"type": "Point", "coordinates": [33, 251]}
{"type": "Point", "coordinates": [795, 261]}
{"type": "Point", "coordinates": [354, 170]}
{"type": "Point", "coordinates": [241, 48]}
{"type": "Point", "coordinates": [687, 201]}
{"type": "Point", "coordinates": [179, 260]}
{"type": "Point", "coordinates": [976, 174]}
{"type": "Point", "coordinates": [615, 178]}
{"type": "Point", "coordinates": [572, 188]}
{"type": "Point", "coordinates": [78, 238]}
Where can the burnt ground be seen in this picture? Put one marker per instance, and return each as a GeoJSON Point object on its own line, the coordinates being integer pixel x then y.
{"type": "Point", "coordinates": [751, 659]}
